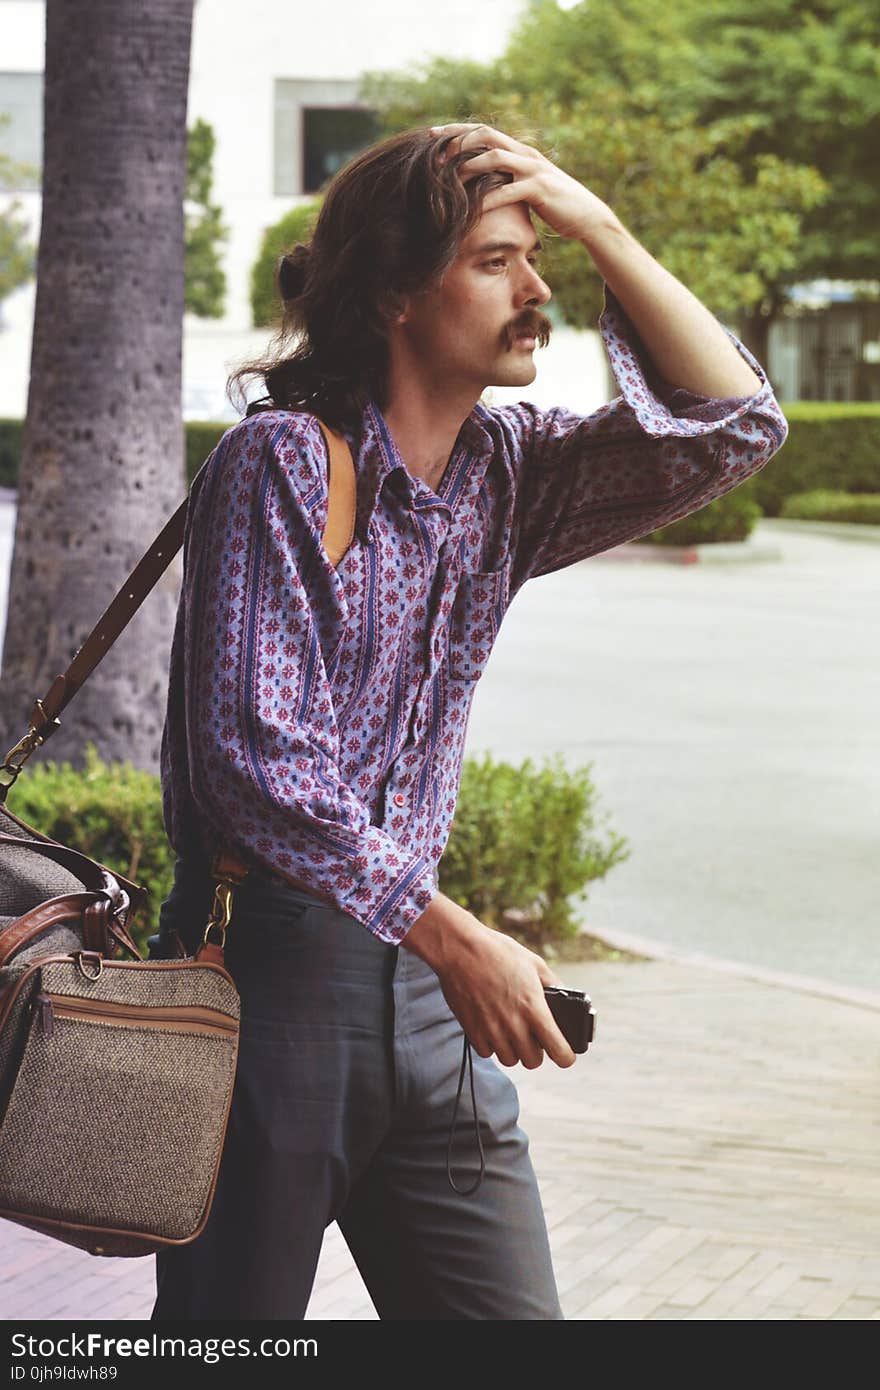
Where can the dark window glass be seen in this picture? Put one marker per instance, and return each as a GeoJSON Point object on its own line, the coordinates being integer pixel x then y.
{"type": "Point", "coordinates": [332, 135]}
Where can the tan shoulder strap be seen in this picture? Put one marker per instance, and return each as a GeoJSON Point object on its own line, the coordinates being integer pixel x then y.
{"type": "Point", "coordinates": [44, 720]}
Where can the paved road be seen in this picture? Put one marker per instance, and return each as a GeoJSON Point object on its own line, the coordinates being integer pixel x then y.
{"type": "Point", "coordinates": [730, 712]}
{"type": "Point", "coordinates": [714, 1156]}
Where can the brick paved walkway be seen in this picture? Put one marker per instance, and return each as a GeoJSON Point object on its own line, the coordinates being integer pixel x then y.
{"type": "Point", "coordinates": [714, 1157]}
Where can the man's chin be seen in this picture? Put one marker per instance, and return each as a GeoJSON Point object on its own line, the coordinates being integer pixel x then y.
{"type": "Point", "coordinates": [520, 373]}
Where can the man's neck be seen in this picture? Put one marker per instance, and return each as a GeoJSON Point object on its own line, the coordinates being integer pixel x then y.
{"type": "Point", "coordinates": [424, 424]}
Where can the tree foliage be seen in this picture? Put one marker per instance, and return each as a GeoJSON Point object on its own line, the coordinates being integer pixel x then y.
{"type": "Point", "coordinates": [205, 231]}
{"type": "Point", "coordinates": [17, 253]}
{"type": "Point", "coordinates": [735, 140]}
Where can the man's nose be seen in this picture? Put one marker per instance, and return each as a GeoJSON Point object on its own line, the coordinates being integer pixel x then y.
{"type": "Point", "coordinates": [534, 291]}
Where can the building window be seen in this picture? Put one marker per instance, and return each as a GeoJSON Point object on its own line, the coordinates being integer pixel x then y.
{"type": "Point", "coordinates": [319, 126]}
{"type": "Point", "coordinates": [332, 135]}
{"type": "Point", "coordinates": [21, 135]}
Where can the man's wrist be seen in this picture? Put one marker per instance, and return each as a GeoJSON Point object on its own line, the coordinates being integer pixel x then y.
{"type": "Point", "coordinates": [433, 935]}
{"type": "Point", "coordinates": [603, 233]}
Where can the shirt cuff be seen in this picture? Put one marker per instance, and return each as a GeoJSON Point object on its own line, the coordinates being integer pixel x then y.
{"type": "Point", "coordinates": [396, 892]}
{"type": "Point", "coordinates": [660, 407]}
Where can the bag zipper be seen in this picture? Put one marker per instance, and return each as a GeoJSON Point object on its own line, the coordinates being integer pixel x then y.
{"type": "Point", "coordinates": [11, 993]}
{"type": "Point", "coordinates": [106, 1012]}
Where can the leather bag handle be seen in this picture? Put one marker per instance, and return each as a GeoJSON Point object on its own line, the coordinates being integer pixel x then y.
{"type": "Point", "coordinates": [90, 874]}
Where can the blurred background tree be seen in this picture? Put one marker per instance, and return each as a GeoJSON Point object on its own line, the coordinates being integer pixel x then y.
{"type": "Point", "coordinates": [736, 140]}
{"type": "Point", "coordinates": [204, 229]}
{"type": "Point", "coordinates": [17, 253]}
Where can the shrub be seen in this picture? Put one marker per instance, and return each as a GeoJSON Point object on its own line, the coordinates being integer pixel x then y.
{"type": "Point", "coordinates": [110, 811]}
{"type": "Point", "coordinates": [296, 225]}
{"type": "Point", "coordinates": [10, 451]}
{"type": "Point", "coordinates": [830, 444]}
{"type": "Point", "coordinates": [823, 504]}
{"type": "Point", "coordinates": [201, 438]}
{"type": "Point", "coordinates": [524, 841]}
{"type": "Point", "coordinates": [728, 518]}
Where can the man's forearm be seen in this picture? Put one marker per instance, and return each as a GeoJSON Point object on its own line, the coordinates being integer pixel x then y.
{"type": "Point", "coordinates": [685, 341]}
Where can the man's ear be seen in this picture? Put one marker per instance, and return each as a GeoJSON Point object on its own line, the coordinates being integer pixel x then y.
{"type": "Point", "coordinates": [396, 308]}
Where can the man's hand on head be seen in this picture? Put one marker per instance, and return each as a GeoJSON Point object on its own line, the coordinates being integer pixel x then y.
{"type": "Point", "coordinates": [563, 203]}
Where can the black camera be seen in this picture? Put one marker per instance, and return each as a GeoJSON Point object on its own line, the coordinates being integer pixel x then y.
{"type": "Point", "coordinates": [574, 1014]}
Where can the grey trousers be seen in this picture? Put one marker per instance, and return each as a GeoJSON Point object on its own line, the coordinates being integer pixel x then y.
{"type": "Point", "coordinates": [348, 1067]}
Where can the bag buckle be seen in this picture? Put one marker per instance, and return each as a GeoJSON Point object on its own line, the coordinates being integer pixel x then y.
{"type": "Point", "coordinates": [221, 912]}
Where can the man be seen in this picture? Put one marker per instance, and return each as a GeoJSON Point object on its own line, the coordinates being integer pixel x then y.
{"type": "Point", "coordinates": [317, 716]}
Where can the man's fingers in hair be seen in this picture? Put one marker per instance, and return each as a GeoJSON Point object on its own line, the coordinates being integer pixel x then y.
{"type": "Point", "coordinates": [462, 131]}
{"type": "Point", "coordinates": [485, 161]}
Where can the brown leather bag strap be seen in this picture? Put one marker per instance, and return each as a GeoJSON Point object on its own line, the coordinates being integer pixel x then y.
{"type": "Point", "coordinates": [92, 876]}
{"type": "Point", "coordinates": [338, 534]}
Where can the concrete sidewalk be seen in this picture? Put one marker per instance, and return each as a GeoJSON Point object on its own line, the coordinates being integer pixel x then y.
{"type": "Point", "coordinates": [714, 1156]}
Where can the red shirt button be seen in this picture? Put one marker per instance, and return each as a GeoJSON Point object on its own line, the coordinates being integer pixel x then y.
{"type": "Point", "coordinates": [400, 799]}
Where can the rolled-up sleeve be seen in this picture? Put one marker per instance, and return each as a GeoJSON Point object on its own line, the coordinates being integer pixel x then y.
{"type": "Point", "coordinates": [263, 742]}
{"type": "Point", "coordinates": [652, 455]}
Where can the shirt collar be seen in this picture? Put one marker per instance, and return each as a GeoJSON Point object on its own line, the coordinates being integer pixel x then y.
{"type": "Point", "coordinates": [377, 456]}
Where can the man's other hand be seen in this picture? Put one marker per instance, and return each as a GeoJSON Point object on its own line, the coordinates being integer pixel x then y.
{"type": "Point", "coordinates": [493, 985]}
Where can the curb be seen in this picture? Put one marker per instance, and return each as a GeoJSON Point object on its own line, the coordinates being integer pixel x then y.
{"type": "Point", "coordinates": [718, 553]}
{"type": "Point", "coordinates": [780, 979]}
{"type": "Point", "coordinates": [838, 530]}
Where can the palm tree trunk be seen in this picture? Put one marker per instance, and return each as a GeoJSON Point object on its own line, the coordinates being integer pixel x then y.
{"type": "Point", "coordinates": [102, 463]}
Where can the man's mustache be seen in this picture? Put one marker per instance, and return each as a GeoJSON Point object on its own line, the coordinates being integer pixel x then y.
{"type": "Point", "coordinates": [537, 325]}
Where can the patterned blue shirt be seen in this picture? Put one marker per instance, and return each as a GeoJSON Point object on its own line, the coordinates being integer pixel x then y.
{"type": "Point", "coordinates": [316, 716]}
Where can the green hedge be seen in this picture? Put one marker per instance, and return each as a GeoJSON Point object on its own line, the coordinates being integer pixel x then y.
{"type": "Point", "coordinates": [728, 518]}
{"type": "Point", "coordinates": [523, 838]}
{"type": "Point", "coordinates": [10, 451]}
{"type": "Point", "coordinates": [201, 436]}
{"type": "Point", "coordinates": [824, 505]}
{"type": "Point", "coordinates": [830, 445]}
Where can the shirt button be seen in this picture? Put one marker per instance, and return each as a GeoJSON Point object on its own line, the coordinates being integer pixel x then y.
{"type": "Point", "coordinates": [400, 799]}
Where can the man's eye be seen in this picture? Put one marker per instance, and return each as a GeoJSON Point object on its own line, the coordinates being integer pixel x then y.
{"type": "Point", "coordinates": [498, 261]}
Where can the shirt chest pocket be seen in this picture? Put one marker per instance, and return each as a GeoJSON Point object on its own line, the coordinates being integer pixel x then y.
{"type": "Point", "coordinates": [479, 605]}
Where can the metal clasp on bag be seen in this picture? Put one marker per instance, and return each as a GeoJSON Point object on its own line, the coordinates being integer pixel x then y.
{"type": "Point", "coordinates": [221, 912]}
{"type": "Point", "coordinates": [80, 956]}
{"type": "Point", "coordinates": [10, 768]}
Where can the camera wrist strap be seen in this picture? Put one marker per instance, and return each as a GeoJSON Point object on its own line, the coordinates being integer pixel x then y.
{"type": "Point", "coordinates": [466, 1061]}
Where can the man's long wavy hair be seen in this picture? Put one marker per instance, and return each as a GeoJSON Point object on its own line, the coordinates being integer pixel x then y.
{"type": "Point", "coordinates": [391, 224]}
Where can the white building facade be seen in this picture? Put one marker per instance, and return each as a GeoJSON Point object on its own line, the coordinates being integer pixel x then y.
{"type": "Point", "coordinates": [279, 83]}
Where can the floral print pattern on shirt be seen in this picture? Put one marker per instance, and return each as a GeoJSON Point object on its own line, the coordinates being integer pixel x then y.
{"type": "Point", "coordinates": [316, 716]}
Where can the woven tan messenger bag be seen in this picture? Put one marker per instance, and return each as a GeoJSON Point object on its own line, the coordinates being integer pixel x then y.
{"type": "Point", "coordinates": [116, 1073]}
